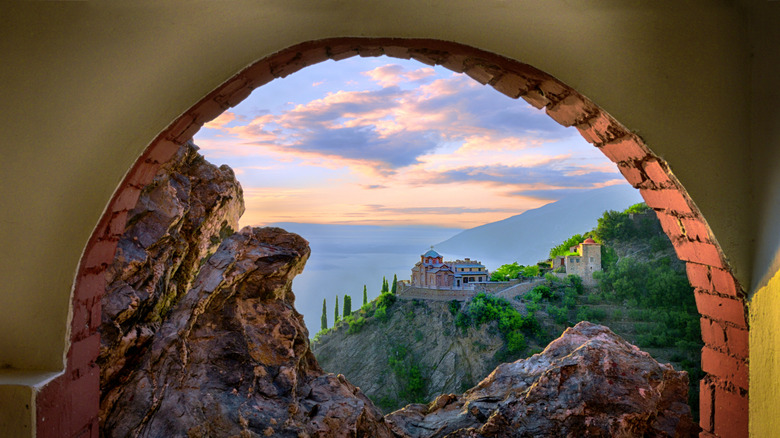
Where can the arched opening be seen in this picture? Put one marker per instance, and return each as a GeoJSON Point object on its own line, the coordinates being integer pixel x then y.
{"type": "Point", "coordinates": [719, 297]}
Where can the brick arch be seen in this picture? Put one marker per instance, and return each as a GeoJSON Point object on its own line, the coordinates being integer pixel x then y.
{"type": "Point", "coordinates": [68, 406]}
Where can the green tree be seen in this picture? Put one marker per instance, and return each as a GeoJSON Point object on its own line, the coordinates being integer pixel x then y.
{"type": "Point", "coordinates": [337, 318]}
{"type": "Point", "coordinates": [385, 287]}
{"type": "Point", "coordinates": [563, 248]}
{"type": "Point", "coordinates": [531, 271]}
{"type": "Point", "coordinates": [347, 306]}
{"type": "Point", "coordinates": [365, 295]}
{"type": "Point", "coordinates": [506, 272]}
{"type": "Point", "coordinates": [324, 317]}
{"type": "Point", "coordinates": [395, 284]}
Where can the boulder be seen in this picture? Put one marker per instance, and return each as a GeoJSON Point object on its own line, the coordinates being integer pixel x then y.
{"type": "Point", "coordinates": [588, 382]}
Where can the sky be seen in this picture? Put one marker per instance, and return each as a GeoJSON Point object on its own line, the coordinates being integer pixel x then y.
{"type": "Point", "coordinates": [381, 141]}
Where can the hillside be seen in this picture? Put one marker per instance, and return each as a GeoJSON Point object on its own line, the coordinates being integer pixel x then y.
{"type": "Point", "coordinates": [527, 238]}
{"type": "Point", "coordinates": [413, 355]}
{"type": "Point", "coordinates": [643, 295]}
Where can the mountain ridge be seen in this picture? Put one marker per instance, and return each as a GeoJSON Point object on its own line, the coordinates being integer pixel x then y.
{"type": "Point", "coordinates": [519, 238]}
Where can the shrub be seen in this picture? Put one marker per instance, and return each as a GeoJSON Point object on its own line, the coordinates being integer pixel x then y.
{"type": "Point", "coordinates": [559, 314]}
{"type": "Point", "coordinates": [386, 300]}
{"type": "Point", "coordinates": [355, 325]}
{"type": "Point", "coordinates": [543, 290]}
{"type": "Point", "coordinates": [515, 342]}
{"type": "Point", "coordinates": [454, 307]}
{"type": "Point", "coordinates": [381, 313]}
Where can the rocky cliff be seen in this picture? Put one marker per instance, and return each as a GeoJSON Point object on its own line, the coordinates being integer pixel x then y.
{"type": "Point", "coordinates": [419, 334]}
{"type": "Point", "coordinates": [204, 341]}
{"type": "Point", "coordinates": [588, 382]}
{"type": "Point", "coordinates": [180, 218]}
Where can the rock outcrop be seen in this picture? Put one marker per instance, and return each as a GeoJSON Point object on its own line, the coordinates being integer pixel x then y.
{"type": "Point", "coordinates": [588, 382]}
{"type": "Point", "coordinates": [180, 218]}
{"type": "Point", "coordinates": [449, 359]}
{"type": "Point", "coordinates": [202, 339]}
{"type": "Point", "coordinates": [233, 358]}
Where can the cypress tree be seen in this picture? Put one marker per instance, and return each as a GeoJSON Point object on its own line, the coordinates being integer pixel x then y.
{"type": "Point", "coordinates": [347, 305]}
{"type": "Point", "coordinates": [395, 284]}
{"type": "Point", "coordinates": [385, 288]}
{"type": "Point", "coordinates": [324, 317]}
{"type": "Point", "coordinates": [337, 318]}
{"type": "Point", "coordinates": [365, 295]}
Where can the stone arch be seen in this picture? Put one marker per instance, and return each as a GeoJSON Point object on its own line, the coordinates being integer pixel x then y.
{"type": "Point", "coordinates": [68, 406]}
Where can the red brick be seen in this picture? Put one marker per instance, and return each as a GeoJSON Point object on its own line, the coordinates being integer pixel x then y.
{"type": "Point", "coordinates": [342, 51]}
{"type": "Point", "coordinates": [205, 112]}
{"type": "Point", "coordinates": [126, 198]}
{"type": "Point", "coordinates": [535, 98]}
{"type": "Point", "coordinates": [85, 398]}
{"type": "Point", "coordinates": [479, 73]}
{"type": "Point", "coordinates": [731, 414]}
{"type": "Point", "coordinates": [570, 110]}
{"type": "Point", "coordinates": [188, 133]}
{"type": "Point", "coordinates": [553, 88]}
{"type": "Point", "coordinates": [624, 149]}
{"type": "Point", "coordinates": [696, 229]}
{"type": "Point", "coordinates": [94, 305]}
{"type": "Point", "coordinates": [254, 76]}
{"type": "Point", "coordinates": [102, 251]}
{"type": "Point", "coordinates": [511, 85]}
{"type": "Point", "coordinates": [180, 125]}
{"type": "Point", "coordinates": [713, 333]}
{"type": "Point", "coordinates": [236, 82]}
{"type": "Point", "coordinates": [286, 63]}
{"type": "Point", "coordinates": [699, 276]}
{"type": "Point", "coordinates": [313, 56]}
{"type": "Point", "coordinates": [425, 58]}
{"type": "Point", "coordinates": [397, 52]}
{"type": "Point", "coordinates": [238, 96]}
{"type": "Point", "coordinates": [706, 398]}
{"type": "Point", "coordinates": [724, 366]}
{"type": "Point", "coordinates": [116, 225]}
{"type": "Point", "coordinates": [600, 129]}
{"type": "Point", "coordinates": [632, 174]}
{"type": "Point", "coordinates": [723, 282]}
{"type": "Point", "coordinates": [79, 323]}
{"type": "Point", "coordinates": [372, 52]}
{"type": "Point", "coordinates": [90, 286]}
{"type": "Point", "coordinates": [666, 199]}
{"type": "Point", "coordinates": [142, 174]}
{"type": "Point", "coordinates": [456, 63]}
{"type": "Point", "coordinates": [698, 252]}
{"type": "Point", "coordinates": [721, 308]}
{"type": "Point", "coordinates": [162, 151]}
{"type": "Point", "coordinates": [670, 224]}
{"type": "Point", "coordinates": [53, 407]}
{"type": "Point", "coordinates": [738, 342]}
{"type": "Point", "coordinates": [657, 172]}
{"type": "Point", "coordinates": [83, 353]}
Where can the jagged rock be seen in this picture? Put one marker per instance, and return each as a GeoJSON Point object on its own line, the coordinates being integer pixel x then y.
{"type": "Point", "coordinates": [588, 382]}
{"type": "Point", "coordinates": [233, 358]}
{"type": "Point", "coordinates": [179, 219]}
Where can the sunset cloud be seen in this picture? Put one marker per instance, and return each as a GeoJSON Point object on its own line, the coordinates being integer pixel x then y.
{"type": "Point", "coordinates": [377, 142]}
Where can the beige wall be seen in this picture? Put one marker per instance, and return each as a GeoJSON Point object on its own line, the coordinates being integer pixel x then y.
{"type": "Point", "coordinates": [87, 85]}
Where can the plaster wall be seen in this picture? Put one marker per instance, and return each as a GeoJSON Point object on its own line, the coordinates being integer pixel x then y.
{"type": "Point", "coordinates": [765, 294]}
{"type": "Point", "coordinates": [87, 85]}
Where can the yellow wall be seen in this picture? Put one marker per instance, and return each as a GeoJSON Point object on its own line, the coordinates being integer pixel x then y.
{"type": "Point", "coordinates": [87, 85]}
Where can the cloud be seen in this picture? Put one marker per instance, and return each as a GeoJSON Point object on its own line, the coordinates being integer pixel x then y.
{"type": "Point", "coordinates": [557, 173]}
{"type": "Point", "coordinates": [222, 120]}
{"type": "Point", "coordinates": [373, 186]}
{"type": "Point", "coordinates": [393, 74]}
{"type": "Point", "coordinates": [435, 210]}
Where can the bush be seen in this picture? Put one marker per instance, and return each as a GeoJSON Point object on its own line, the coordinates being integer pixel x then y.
{"type": "Point", "coordinates": [559, 314]}
{"type": "Point", "coordinates": [381, 313]}
{"type": "Point", "coordinates": [543, 290]}
{"type": "Point", "coordinates": [454, 307]}
{"type": "Point", "coordinates": [515, 342]}
{"type": "Point", "coordinates": [355, 325]}
{"type": "Point", "coordinates": [385, 300]}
